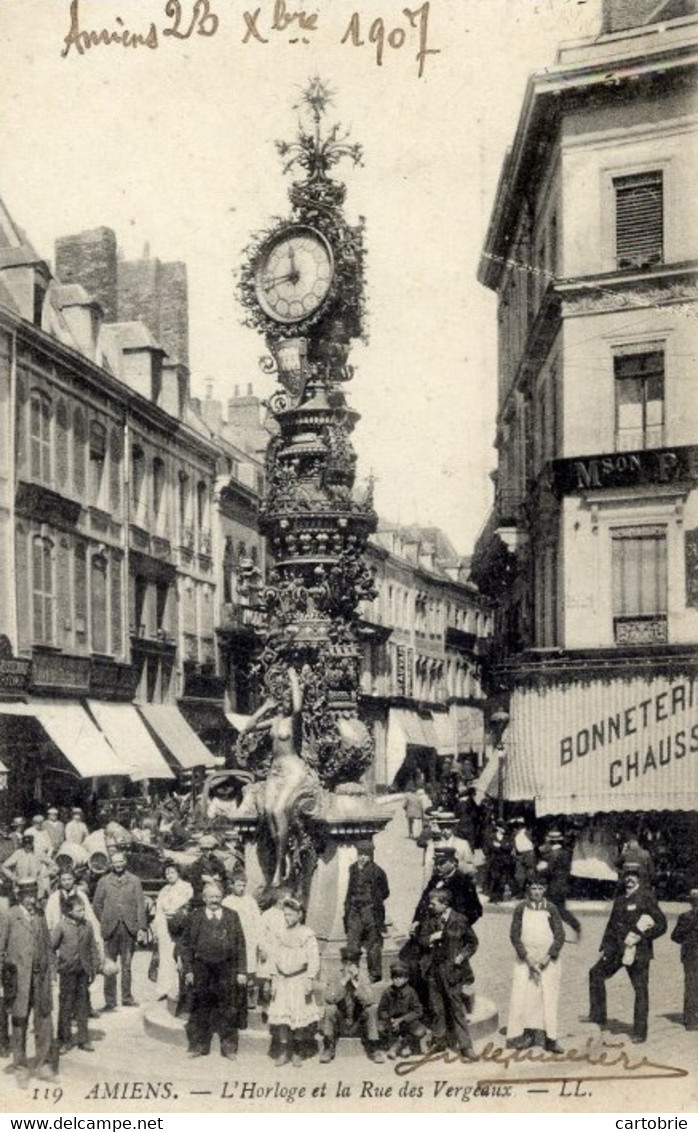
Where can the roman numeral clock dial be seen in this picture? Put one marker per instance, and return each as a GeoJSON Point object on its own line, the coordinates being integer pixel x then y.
{"type": "Point", "coordinates": [294, 274]}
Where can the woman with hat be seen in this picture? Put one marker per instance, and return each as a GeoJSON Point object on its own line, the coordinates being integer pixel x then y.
{"type": "Point", "coordinates": [538, 938]}
{"type": "Point", "coordinates": [172, 897]}
{"type": "Point", "coordinates": [295, 964]}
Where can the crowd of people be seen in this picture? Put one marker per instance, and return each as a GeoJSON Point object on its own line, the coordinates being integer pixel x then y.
{"type": "Point", "coordinates": [219, 954]}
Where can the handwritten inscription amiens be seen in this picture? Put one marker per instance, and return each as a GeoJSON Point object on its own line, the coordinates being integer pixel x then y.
{"type": "Point", "coordinates": [405, 33]}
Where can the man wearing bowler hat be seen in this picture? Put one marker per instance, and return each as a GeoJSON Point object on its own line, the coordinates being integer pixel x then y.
{"type": "Point", "coordinates": [119, 905]}
{"type": "Point", "coordinates": [636, 920]}
{"type": "Point", "coordinates": [364, 908]}
{"type": "Point", "coordinates": [25, 958]}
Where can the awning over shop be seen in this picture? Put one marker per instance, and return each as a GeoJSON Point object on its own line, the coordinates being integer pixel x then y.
{"type": "Point", "coordinates": [445, 733]}
{"type": "Point", "coordinates": [605, 746]}
{"type": "Point", "coordinates": [487, 782]}
{"type": "Point", "coordinates": [68, 725]}
{"type": "Point", "coordinates": [179, 738]}
{"type": "Point", "coordinates": [406, 728]}
{"type": "Point", "coordinates": [135, 750]}
{"type": "Point", "coordinates": [470, 728]}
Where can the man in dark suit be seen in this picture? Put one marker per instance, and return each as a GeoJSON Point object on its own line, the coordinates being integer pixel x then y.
{"type": "Point", "coordinates": [212, 949]}
{"type": "Point", "coordinates": [207, 867]}
{"type": "Point", "coordinates": [364, 909]}
{"type": "Point", "coordinates": [25, 960]}
{"type": "Point", "coordinates": [636, 919]}
{"type": "Point", "coordinates": [447, 942]}
{"type": "Point", "coordinates": [119, 905]}
{"type": "Point", "coordinates": [447, 878]}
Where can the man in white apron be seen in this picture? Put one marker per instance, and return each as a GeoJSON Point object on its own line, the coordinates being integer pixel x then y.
{"type": "Point", "coordinates": [538, 935]}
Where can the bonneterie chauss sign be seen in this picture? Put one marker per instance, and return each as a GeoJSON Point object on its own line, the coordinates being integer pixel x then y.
{"type": "Point", "coordinates": [605, 745]}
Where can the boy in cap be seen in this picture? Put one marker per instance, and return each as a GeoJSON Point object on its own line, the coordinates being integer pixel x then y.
{"type": "Point", "coordinates": [78, 962]}
{"type": "Point", "coordinates": [364, 908]}
{"type": "Point", "coordinates": [447, 942]}
{"type": "Point", "coordinates": [350, 1010]}
{"type": "Point", "coordinates": [400, 1015]}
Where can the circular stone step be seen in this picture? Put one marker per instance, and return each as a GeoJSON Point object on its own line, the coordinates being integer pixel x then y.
{"type": "Point", "coordinates": [161, 1024]}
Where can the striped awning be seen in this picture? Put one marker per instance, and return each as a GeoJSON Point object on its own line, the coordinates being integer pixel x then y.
{"type": "Point", "coordinates": [604, 746]}
{"type": "Point", "coordinates": [126, 732]}
{"type": "Point", "coordinates": [71, 729]}
{"type": "Point", "coordinates": [177, 736]}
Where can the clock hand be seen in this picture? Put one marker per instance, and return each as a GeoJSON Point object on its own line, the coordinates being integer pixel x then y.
{"type": "Point", "coordinates": [291, 277]}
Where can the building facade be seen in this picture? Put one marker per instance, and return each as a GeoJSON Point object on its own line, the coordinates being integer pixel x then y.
{"type": "Point", "coordinates": [424, 636]}
{"type": "Point", "coordinates": [590, 551]}
{"type": "Point", "coordinates": [116, 506]}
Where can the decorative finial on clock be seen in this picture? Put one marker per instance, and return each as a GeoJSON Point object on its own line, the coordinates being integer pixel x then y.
{"type": "Point", "coordinates": [311, 151]}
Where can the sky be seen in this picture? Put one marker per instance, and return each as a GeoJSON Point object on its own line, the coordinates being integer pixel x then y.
{"type": "Point", "coordinates": [172, 146]}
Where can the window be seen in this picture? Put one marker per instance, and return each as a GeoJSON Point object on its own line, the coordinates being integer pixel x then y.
{"type": "Point", "coordinates": [639, 219]}
{"type": "Point", "coordinates": [40, 436]}
{"type": "Point", "coordinates": [639, 573]}
{"type": "Point", "coordinates": [62, 441]}
{"type": "Point", "coordinates": [42, 590]}
{"type": "Point", "coordinates": [639, 384]}
{"type": "Point", "coordinates": [201, 504]}
{"type": "Point", "coordinates": [158, 486]}
{"type": "Point", "coordinates": [98, 604]}
{"type": "Point", "coordinates": [115, 455]}
{"type": "Point", "coordinates": [137, 478]}
{"type": "Point", "coordinates": [79, 445]}
{"type": "Point", "coordinates": [97, 455]}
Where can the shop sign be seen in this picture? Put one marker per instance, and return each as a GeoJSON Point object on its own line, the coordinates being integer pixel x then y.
{"type": "Point", "coordinates": [605, 746]}
{"type": "Point", "coordinates": [400, 670]}
{"type": "Point", "coordinates": [55, 670]}
{"type": "Point", "coordinates": [14, 672]}
{"type": "Point", "coordinates": [626, 469]}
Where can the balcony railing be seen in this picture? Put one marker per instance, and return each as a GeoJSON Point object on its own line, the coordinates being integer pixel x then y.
{"type": "Point", "coordinates": [645, 629]}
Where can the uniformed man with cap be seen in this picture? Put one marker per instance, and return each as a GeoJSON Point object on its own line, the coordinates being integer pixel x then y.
{"type": "Point", "coordinates": [364, 908]}
{"type": "Point", "coordinates": [119, 905]}
{"type": "Point", "coordinates": [461, 888]}
{"type": "Point", "coordinates": [25, 958]}
{"type": "Point", "coordinates": [636, 920]}
{"type": "Point", "coordinates": [29, 863]}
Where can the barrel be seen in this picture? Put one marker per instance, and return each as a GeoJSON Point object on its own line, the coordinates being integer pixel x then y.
{"type": "Point", "coordinates": [98, 854]}
{"type": "Point", "coordinates": [71, 856]}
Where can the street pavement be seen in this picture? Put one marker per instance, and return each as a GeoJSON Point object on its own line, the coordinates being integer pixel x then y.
{"type": "Point", "coordinates": [130, 1071]}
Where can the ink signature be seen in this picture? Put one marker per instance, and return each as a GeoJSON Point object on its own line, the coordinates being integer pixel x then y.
{"type": "Point", "coordinates": [613, 1055]}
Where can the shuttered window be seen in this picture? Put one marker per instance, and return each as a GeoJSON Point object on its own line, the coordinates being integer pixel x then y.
{"type": "Point", "coordinates": [117, 644]}
{"type": "Point", "coordinates": [80, 592]}
{"type": "Point", "coordinates": [62, 441]}
{"type": "Point", "coordinates": [42, 590]}
{"type": "Point", "coordinates": [79, 451]}
{"type": "Point", "coordinates": [40, 436]}
{"type": "Point", "coordinates": [639, 571]}
{"type": "Point", "coordinates": [115, 456]}
{"type": "Point", "coordinates": [639, 219]}
{"type": "Point", "coordinates": [98, 604]}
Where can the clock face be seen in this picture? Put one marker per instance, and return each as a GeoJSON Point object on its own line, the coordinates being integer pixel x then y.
{"type": "Point", "coordinates": [294, 274]}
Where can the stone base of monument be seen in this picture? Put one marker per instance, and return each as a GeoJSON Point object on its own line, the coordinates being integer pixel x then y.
{"type": "Point", "coordinates": [160, 1023]}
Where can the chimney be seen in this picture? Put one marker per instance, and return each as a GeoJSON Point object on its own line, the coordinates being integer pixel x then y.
{"type": "Point", "coordinates": [244, 411]}
{"type": "Point", "coordinates": [89, 258]}
{"type": "Point", "coordinates": [618, 15]}
{"type": "Point", "coordinates": [212, 409]}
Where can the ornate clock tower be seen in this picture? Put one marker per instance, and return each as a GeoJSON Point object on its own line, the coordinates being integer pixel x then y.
{"type": "Point", "coordinates": [302, 286]}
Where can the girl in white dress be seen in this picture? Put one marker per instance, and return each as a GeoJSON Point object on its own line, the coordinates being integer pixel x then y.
{"type": "Point", "coordinates": [538, 935]}
{"type": "Point", "coordinates": [172, 897]}
{"type": "Point", "coordinates": [295, 964]}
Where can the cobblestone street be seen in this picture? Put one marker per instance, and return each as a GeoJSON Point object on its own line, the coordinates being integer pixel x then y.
{"type": "Point", "coordinates": [131, 1071]}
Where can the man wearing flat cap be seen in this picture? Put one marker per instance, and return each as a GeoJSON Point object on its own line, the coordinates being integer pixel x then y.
{"type": "Point", "coordinates": [207, 867]}
{"type": "Point", "coordinates": [214, 961]}
{"type": "Point", "coordinates": [636, 920]}
{"type": "Point", "coordinates": [25, 959]}
{"type": "Point", "coordinates": [119, 905]}
{"type": "Point", "coordinates": [29, 863]}
{"type": "Point", "coordinates": [351, 1010]}
{"type": "Point", "coordinates": [364, 908]}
